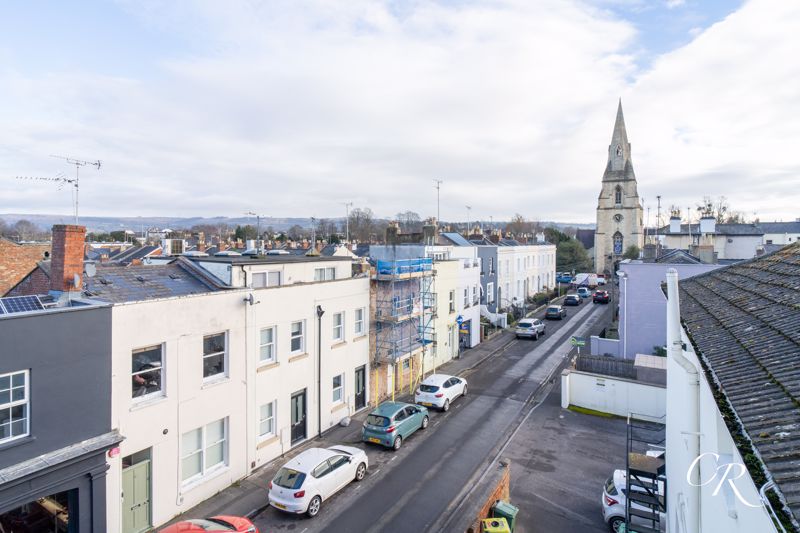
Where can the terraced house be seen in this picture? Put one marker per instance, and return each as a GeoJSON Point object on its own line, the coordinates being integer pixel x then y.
{"type": "Point", "coordinates": [733, 398]}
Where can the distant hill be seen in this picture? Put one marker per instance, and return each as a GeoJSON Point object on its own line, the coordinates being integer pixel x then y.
{"type": "Point", "coordinates": [107, 224]}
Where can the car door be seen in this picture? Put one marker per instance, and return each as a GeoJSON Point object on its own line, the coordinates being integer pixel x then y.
{"type": "Point", "coordinates": [401, 423]}
{"type": "Point", "coordinates": [324, 483]}
{"type": "Point", "coordinates": [341, 473]}
{"type": "Point", "coordinates": [458, 387]}
{"type": "Point", "coordinates": [413, 419]}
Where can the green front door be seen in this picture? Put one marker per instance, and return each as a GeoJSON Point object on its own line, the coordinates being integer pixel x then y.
{"type": "Point", "coordinates": [136, 498]}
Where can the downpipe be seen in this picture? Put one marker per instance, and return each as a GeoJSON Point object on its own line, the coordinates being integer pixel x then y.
{"type": "Point", "coordinates": [690, 426]}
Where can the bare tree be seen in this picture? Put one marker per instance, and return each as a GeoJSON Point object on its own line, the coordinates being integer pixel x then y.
{"type": "Point", "coordinates": [519, 225]}
{"type": "Point", "coordinates": [410, 222]}
{"type": "Point", "coordinates": [361, 224]}
{"type": "Point", "coordinates": [326, 229]}
{"type": "Point", "coordinates": [296, 232]}
{"type": "Point", "coordinates": [25, 230]}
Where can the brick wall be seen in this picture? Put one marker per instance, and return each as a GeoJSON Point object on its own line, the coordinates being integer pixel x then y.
{"type": "Point", "coordinates": [67, 256]}
{"type": "Point", "coordinates": [479, 503]}
{"type": "Point", "coordinates": [17, 261]}
{"type": "Point", "coordinates": [37, 282]}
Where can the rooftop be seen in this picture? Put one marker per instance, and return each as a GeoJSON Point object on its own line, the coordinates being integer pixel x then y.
{"type": "Point", "coordinates": [719, 229]}
{"type": "Point", "coordinates": [744, 321]}
{"type": "Point", "coordinates": [267, 259]}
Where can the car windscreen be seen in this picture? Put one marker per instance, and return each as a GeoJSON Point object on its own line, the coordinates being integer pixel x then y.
{"type": "Point", "coordinates": [428, 388]}
{"type": "Point", "coordinates": [552, 309]}
{"type": "Point", "coordinates": [377, 420]}
{"type": "Point", "coordinates": [211, 524]}
{"type": "Point", "coordinates": [524, 325]}
{"type": "Point", "coordinates": [289, 479]}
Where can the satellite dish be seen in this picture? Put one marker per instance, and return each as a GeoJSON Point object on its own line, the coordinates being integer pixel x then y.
{"type": "Point", "coordinates": [90, 269]}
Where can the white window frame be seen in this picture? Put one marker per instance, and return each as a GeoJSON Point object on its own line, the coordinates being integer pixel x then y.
{"type": "Point", "coordinates": [338, 329]}
{"type": "Point", "coordinates": [224, 373]}
{"type": "Point", "coordinates": [258, 280]}
{"type": "Point", "coordinates": [474, 295]}
{"type": "Point", "coordinates": [24, 402]}
{"type": "Point", "coordinates": [453, 301]}
{"type": "Point", "coordinates": [162, 390]}
{"type": "Point", "coordinates": [203, 450]}
{"type": "Point", "coordinates": [302, 337]}
{"type": "Point", "coordinates": [273, 344]}
{"type": "Point", "coordinates": [339, 389]}
{"type": "Point", "coordinates": [360, 330]}
{"type": "Point", "coordinates": [490, 293]}
{"type": "Point", "coordinates": [466, 297]}
{"type": "Point", "coordinates": [325, 274]}
{"type": "Point", "coordinates": [271, 420]}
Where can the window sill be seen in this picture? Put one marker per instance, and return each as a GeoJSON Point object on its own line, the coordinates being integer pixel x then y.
{"type": "Point", "coordinates": [214, 381]}
{"type": "Point", "coordinates": [267, 441]}
{"type": "Point", "coordinates": [338, 407]}
{"type": "Point", "coordinates": [267, 366]}
{"type": "Point", "coordinates": [208, 476]}
{"type": "Point", "coordinates": [19, 441]}
{"type": "Point", "coordinates": [141, 403]}
{"type": "Point", "coordinates": [338, 344]}
{"type": "Point", "coordinates": [298, 357]}
{"type": "Point", "coordinates": [360, 337]}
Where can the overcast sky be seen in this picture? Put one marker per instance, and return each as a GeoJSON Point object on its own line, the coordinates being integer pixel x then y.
{"type": "Point", "coordinates": [290, 108]}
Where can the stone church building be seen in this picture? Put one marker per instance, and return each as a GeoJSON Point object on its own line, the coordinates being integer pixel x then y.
{"type": "Point", "coordinates": [619, 211]}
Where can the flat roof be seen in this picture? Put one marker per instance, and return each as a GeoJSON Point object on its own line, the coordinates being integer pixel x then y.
{"type": "Point", "coordinates": [266, 259]}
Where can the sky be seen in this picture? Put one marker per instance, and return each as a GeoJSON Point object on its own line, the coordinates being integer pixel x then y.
{"type": "Point", "coordinates": [293, 108]}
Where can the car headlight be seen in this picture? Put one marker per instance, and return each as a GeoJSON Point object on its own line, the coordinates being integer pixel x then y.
{"type": "Point", "coordinates": [251, 529]}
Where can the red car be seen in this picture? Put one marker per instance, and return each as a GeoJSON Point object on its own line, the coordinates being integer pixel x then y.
{"type": "Point", "coordinates": [215, 524]}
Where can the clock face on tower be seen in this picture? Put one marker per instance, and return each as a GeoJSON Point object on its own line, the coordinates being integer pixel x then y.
{"type": "Point", "coordinates": [618, 217]}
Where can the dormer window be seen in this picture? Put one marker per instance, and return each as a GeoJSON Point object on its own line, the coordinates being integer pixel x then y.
{"type": "Point", "coordinates": [618, 195]}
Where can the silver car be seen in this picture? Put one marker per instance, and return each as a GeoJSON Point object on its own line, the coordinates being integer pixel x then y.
{"type": "Point", "coordinates": [614, 496]}
{"type": "Point", "coordinates": [530, 328]}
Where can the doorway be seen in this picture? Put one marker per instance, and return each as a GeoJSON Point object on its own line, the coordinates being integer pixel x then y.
{"type": "Point", "coordinates": [298, 408]}
{"type": "Point", "coordinates": [136, 492]}
{"type": "Point", "coordinates": [361, 387]}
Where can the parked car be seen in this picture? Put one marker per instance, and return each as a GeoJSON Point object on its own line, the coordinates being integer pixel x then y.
{"type": "Point", "coordinates": [393, 422]}
{"type": "Point", "coordinates": [601, 279]}
{"type": "Point", "coordinates": [439, 390]}
{"type": "Point", "coordinates": [584, 292]}
{"type": "Point", "coordinates": [215, 524]}
{"type": "Point", "coordinates": [315, 475]}
{"type": "Point", "coordinates": [530, 328]}
{"type": "Point", "coordinates": [555, 312]}
{"type": "Point", "coordinates": [563, 277]}
{"type": "Point", "coordinates": [614, 497]}
{"type": "Point", "coordinates": [600, 297]}
{"type": "Point", "coordinates": [572, 299]}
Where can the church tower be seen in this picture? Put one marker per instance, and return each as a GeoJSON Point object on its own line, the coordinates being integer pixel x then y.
{"type": "Point", "coordinates": [619, 211]}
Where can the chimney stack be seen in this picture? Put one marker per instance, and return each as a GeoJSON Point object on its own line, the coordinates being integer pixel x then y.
{"type": "Point", "coordinates": [674, 224]}
{"type": "Point", "coordinates": [66, 259]}
{"type": "Point", "coordinates": [708, 224]}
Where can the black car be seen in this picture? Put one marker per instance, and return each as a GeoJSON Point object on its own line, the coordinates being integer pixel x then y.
{"type": "Point", "coordinates": [600, 297]}
{"type": "Point", "coordinates": [572, 299]}
{"type": "Point", "coordinates": [555, 312]}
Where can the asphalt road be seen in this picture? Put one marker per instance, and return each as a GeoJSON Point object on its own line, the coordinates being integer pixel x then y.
{"type": "Point", "coordinates": [411, 490]}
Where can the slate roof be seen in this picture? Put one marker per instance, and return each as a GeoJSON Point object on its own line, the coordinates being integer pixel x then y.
{"type": "Point", "coordinates": [780, 227]}
{"type": "Point", "coordinates": [118, 283]}
{"type": "Point", "coordinates": [456, 238]}
{"type": "Point", "coordinates": [131, 254]}
{"type": "Point", "coordinates": [676, 256]}
{"type": "Point", "coordinates": [744, 320]}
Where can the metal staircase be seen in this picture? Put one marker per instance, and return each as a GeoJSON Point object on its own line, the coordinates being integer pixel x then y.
{"type": "Point", "coordinates": [646, 481]}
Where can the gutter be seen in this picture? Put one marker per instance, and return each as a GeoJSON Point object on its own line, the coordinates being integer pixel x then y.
{"type": "Point", "coordinates": [690, 424]}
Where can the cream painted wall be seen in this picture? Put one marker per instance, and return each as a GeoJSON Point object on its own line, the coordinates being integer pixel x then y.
{"type": "Point", "coordinates": [180, 324]}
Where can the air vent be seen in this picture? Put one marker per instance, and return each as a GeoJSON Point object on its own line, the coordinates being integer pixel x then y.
{"type": "Point", "coordinates": [174, 276]}
{"type": "Point", "coordinates": [140, 278]}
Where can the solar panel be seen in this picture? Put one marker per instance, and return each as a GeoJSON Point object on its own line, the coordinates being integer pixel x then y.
{"type": "Point", "coordinates": [21, 304]}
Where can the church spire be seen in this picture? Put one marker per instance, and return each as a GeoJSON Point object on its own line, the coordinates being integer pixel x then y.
{"type": "Point", "coordinates": [619, 165]}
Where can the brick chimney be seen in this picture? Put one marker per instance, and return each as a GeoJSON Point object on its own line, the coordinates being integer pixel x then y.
{"type": "Point", "coordinates": [66, 259]}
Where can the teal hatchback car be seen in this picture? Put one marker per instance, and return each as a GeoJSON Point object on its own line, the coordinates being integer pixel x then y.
{"type": "Point", "coordinates": [393, 422]}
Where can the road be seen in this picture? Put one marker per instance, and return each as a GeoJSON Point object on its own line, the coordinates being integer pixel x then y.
{"type": "Point", "coordinates": [411, 490]}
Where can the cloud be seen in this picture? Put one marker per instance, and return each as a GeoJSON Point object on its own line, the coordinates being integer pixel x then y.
{"type": "Point", "coordinates": [672, 4]}
{"type": "Point", "coordinates": [290, 108]}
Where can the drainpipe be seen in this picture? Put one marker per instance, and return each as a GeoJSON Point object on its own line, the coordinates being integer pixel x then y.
{"type": "Point", "coordinates": [690, 427]}
{"type": "Point", "coordinates": [320, 312]}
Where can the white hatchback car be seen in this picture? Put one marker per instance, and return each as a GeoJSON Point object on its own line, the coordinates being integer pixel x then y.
{"type": "Point", "coordinates": [315, 475]}
{"type": "Point", "coordinates": [439, 390]}
{"type": "Point", "coordinates": [614, 496]}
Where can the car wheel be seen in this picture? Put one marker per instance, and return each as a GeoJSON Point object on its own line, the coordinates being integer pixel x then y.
{"type": "Point", "coordinates": [616, 523]}
{"type": "Point", "coordinates": [313, 506]}
{"type": "Point", "coordinates": [398, 441]}
{"type": "Point", "coordinates": [446, 406]}
{"type": "Point", "coordinates": [361, 471]}
{"type": "Point", "coordinates": [424, 422]}
{"type": "Point", "coordinates": [464, 392]}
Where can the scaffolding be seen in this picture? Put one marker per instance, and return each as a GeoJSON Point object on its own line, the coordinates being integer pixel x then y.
{"type": "Point", "coordinates": [405, 308]}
